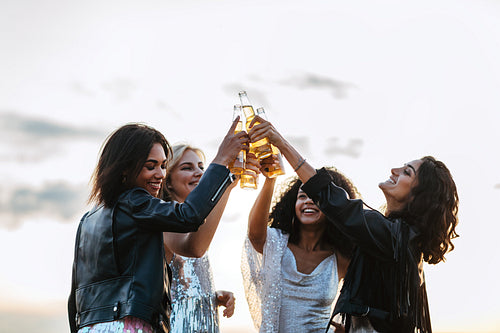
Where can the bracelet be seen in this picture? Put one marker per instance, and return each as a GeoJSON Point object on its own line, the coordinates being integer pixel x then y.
{"type": "Point", "coordinates": [301, 161]}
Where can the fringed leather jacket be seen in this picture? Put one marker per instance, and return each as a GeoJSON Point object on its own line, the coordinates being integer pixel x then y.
{"type": "Point", "coordinates": [119, 266]}
{"type": "Point", "coordinates": [385, 280]}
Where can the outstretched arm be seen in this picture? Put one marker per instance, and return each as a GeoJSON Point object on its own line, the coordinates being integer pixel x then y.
{"type": "Point", "coordinates": [265, 129]}
{"type": "Point", "coordinates": [259, 214]}
{"type": "Point", "coordinates": [195, 244]}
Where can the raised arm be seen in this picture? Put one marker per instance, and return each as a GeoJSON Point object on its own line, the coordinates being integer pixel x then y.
{"type": "Point", "coordinates": [265, 129]}
{"type": "Point", "coordinates": [369, 229]}
{"type": "Point", "coordinates": [259, 215]}
{"type": "Point", "coordinates": [195, 244]}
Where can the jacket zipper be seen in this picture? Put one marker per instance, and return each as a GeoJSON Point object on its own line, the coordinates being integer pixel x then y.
{"type": "Point", "coordinates": [221, 187]}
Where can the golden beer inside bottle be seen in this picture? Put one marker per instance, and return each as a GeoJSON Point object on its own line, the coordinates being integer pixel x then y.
{"type": "Point", "coordinates": [248, 181]}
{"type": "Point", "coordinates": [238, 165]}
{"type": "Point", "coordinates": [262, 148]}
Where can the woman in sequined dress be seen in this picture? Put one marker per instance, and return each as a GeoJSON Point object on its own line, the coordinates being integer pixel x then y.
{"type": "Point", "coordinates": [293, 260]}
{"type": "Point", "coordinates": [194, 299]}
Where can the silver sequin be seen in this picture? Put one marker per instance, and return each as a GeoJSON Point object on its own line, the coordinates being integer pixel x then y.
{"type": "Point", "coordinates": [194, 305]}
{"type": "Point", "coordinates": [266, 289]}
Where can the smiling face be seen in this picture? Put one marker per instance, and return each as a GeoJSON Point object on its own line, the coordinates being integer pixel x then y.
{"type": "Point", "coordinates": [397, 188]}
{"type": "Point", "coordinates": [185, 175]}
{"type": "Point", "coordinates": [306, 210]}
{"type": "Point", "coordinates": [154, 170]}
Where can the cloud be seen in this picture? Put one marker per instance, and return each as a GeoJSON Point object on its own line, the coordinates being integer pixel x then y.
{"type": "Point", "coordinates": [257, 97]}
{"type": "Point", "coordinates": [165, 107]}
{"type": "Point", "coordinates": [26, 138]}
{"type": "Point", "coordinates": [312, 81]}
{"type": "Point", "coordinates": [20, 127]}
{"type": "Point", "coordinates": [58, 200]}
{"type": "Point", "coordinates": [80, 89]}
{"type": "Point", "coordinates": [121, 88]}
{"type": "Point", "coordinates": [352, 148]}
{"type": "Point", "coordinates": [301, 143]}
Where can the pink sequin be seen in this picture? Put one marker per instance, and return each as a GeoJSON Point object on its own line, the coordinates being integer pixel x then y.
{"type": "Point", "coordinates": [124, 325]}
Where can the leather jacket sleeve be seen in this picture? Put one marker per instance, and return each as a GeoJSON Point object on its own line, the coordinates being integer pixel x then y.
{"type": "Point", "coordinates": [155, 214]}
{"type": "Point", "coordinates": [368, 229]}
{"type": "Point", "coordinates": [71, 299]}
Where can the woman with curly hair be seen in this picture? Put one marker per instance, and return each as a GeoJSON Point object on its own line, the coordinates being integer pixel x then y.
{"type": "Point", "coordinates": [384, 288]}
{"type": "Point", "coordinates": [293, 259]}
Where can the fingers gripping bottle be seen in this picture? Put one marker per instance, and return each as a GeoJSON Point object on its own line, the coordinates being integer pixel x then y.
{"type": "Point", "coordinates": [238, 165]}
{"type": "Point", "coordinates": [275, 170]}
{"type": "Point", "coordinates": [262, 148]}
{"type": "Point", "coordinates": [248, 177]}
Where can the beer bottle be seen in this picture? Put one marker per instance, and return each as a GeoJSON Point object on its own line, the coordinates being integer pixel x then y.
{"type": "Point", "coordinates": [262, 148]}
{"type": "Point", "coordinates": [238, 165]}
{"type": "Point", "coordinates": [274, 170]}
{"type": "Point", "coordinates": [249, 179]}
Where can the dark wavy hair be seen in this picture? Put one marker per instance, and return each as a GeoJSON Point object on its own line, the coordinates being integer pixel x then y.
{"type": "Point", "coordinates": [433, 209]}
{"type": "Point", "coordinates": [122, 157]}
{"type": "Point", "coordinates": [283, 215]}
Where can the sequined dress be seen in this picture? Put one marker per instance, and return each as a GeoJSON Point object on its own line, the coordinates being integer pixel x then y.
{"type": "Point", "coordinates": [194, 305]}
{"type": "Point", "coordinates": [280, 298]}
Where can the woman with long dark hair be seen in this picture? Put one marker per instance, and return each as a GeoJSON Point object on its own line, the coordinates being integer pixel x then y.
{"type": "Point", "coordinates": [120, 280]}
{"type": "Point", "coordinates": [384, 288]}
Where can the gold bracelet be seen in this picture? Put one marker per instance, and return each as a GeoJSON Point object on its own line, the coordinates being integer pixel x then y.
{"type": "Point", "coordinates": [301, 161]}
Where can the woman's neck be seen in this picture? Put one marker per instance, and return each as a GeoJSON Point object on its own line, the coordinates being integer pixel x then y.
{"type": "Point", "coordinates": [310, 238]}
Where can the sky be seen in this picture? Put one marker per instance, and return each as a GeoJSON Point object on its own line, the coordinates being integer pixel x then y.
{"type": "Point", "coordinates": [360, 85]}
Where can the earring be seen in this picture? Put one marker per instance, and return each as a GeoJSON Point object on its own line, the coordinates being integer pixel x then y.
{"type": "Point", "coordinates": [124, 178]}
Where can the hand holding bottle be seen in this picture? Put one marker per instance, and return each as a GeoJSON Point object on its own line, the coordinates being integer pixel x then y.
{"type": "Point", "coordinates": [261, 128]}
{"type": "Point", "coordinates": [231, 145]}
{"type": "Point", "coordinates": [273, 166]}
{"type": "Point", "coordinates": [250, 176]}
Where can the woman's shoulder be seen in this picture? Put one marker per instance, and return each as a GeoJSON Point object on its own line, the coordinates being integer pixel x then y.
{"type": "Point", "coordinates": [136, 197]}
{"type": "Point", "coordinates": [277, 233]}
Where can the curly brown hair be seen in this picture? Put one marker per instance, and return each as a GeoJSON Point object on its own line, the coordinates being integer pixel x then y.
{"type": "Point", "coordinates": [433, 210]}
{"type": "Point", "coordinates": [283, 215]}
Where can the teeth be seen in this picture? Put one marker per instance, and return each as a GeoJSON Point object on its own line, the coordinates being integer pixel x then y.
{"type": "Point", "coordinates": [308, 210]}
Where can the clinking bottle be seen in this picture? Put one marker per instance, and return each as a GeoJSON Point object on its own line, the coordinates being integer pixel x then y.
{"type": "Point", "coordinates": [262, 148]}
{"type": "Point", "coordinates": [238, 165]}
{"type": "Point", "coordinates": [274, 170]}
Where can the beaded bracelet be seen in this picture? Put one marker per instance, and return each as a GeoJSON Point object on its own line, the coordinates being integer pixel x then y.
{"type": "Point", "coordinates": [301, 161]}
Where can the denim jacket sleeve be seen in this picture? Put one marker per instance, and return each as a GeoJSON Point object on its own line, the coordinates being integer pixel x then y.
{"type": "Point", "coordinates": [155, 214]}
{"type": "Point", "coordinates": [368, 229]}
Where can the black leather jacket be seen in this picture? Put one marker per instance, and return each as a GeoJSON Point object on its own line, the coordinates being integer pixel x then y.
{"type": "Point", "coordinates": [119, 266]}
{"type": "Point", "coordinates": [384, 280]}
